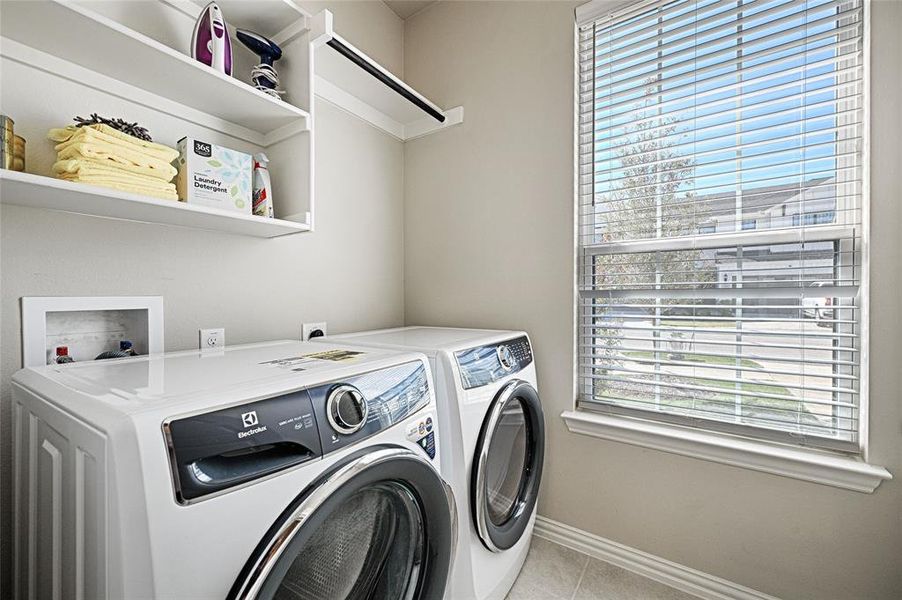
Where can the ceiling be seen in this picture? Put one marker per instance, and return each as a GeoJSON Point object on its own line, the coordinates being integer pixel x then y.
{"type": "Point", "coordinates": [407, 8]}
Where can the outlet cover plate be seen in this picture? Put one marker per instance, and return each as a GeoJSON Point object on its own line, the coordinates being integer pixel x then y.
{"type": "Point", "coordinates": [308, 328]}
{"type": "Point", "coordinates": [209, 339]}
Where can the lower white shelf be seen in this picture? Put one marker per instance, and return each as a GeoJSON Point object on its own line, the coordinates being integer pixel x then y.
{"type": "Point", "coordinates": [36, 191]}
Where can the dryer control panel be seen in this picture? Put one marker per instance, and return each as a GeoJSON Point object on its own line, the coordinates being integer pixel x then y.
{"type": "Point", "coordinates": [356, 408]}
{"type": "Point", "coordinates": [486, 364]}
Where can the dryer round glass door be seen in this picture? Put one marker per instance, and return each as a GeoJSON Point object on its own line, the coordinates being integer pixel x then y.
{"type": "Point", "coordinates": [379, 526]}
{"type": "Point", "coordinates": [507, 466]}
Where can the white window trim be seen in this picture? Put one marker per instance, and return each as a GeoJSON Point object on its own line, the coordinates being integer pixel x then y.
{"type": "Point", "coordinates": [817, 466]}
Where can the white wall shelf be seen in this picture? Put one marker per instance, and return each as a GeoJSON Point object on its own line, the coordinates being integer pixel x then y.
{"type": "Point", "coordinates": [353, 81]}
{"type": "Point", "coordinates": [64, 43]}
{"type": "Point", "coordinates": [99, 44]}
{"type": "Point", "coordinates": [25, 189]}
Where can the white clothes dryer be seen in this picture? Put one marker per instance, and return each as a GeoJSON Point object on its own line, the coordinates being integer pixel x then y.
{"type": "Point", "coordinates": [491, 419]}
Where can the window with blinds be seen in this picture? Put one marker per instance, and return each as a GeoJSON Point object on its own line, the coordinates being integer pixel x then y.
{"type": "Point", "coordinates": [720, 216]}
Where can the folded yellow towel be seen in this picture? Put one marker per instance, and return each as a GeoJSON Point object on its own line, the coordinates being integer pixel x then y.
{"type": "Point", "coordinates": [87, 169]}
{"type": "Point", "coordinates": [105, 133]}
{"type": "Point", "coordinates": [116, 185]}
{"type": "Point", "coordinates": [103, 143]}
{"type": "Point", "coordinates": [165, 188]}
{"type": "Point", "coordinates": [118, 157]}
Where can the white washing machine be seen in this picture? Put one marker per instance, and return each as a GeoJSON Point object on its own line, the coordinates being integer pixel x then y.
{"type": "Point", "coordinates": [492, 422]}
{"type": "Point", "coordinates": [278, 470]}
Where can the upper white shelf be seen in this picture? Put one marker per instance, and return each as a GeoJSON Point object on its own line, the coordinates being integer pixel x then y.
{"type": "Point", "coordinates": [355, 82]}
{"type": "Point", "coordinates": [36, 191]}
{"type": "Point", "coordinates": [95, 42]}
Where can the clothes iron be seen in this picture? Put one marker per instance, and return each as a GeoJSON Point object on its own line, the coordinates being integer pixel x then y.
{"type": "Point", "coordinates": [210, 43]}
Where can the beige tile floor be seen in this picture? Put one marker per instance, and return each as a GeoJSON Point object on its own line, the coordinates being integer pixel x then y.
{"type": "Point", "coordinates": [553, 572]}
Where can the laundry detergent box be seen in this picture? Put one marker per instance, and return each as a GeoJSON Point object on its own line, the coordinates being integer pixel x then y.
{"type": "Point", "coordinates": [210, 175]}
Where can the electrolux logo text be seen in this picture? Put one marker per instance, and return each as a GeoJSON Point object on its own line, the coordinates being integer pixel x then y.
{"type": "Point", "coordinates": [249, 419]}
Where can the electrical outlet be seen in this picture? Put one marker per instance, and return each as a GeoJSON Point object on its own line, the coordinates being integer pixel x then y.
{"type": "Point", "coordinates": [211, 338]}
{"type": "Point", "coordinates": [313, 330]}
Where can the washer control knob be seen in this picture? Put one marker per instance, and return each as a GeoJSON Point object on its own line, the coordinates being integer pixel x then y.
{"type": "Point", "coordinates": [506, 357]}
{"type": "Point", "coordinates": [346, 409]}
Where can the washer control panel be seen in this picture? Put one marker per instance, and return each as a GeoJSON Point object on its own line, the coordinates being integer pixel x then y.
{"type": "Point", "coordinates": [214, 452]}
{"type": "Point", "coordinates": [486, 364]}
{"type": "Point", "coordinates": [351, 410]}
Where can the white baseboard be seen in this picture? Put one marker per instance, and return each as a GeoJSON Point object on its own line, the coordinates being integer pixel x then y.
{"type": "Point", "coordinates": [653, 567]}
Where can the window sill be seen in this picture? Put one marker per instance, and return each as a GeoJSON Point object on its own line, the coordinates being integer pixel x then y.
{"type": "Point", "coordinates": [799, 463]}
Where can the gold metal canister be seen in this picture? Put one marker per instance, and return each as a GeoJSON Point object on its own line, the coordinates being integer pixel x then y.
{"type": "Point", "coordinates": [7, 149]}
{"type": "Point", "coordinates": [18, 153]}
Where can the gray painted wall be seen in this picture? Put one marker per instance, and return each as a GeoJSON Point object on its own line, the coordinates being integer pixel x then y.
{"type": "Point", "coordinates": [489, 242]}
{"type": "Point", "coordinates": [349, 272]}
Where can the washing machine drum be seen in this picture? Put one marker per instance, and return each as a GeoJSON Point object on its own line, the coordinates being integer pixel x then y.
{"type": "Point", "coordinates": [380, 526]}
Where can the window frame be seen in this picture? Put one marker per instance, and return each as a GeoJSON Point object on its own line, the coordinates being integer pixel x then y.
{"type": "Point", "coordinates": [601, 423]}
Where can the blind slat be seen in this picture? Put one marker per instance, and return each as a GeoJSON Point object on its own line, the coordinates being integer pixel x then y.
{"type": "Point", "coordinates": [605, 37]}
{"type": "Point", "coordinates": [690, 82]}
{"type": "Point", "coordinates": [755, 345]}
{"type": "Point", "coordinates": [786, 235]}
{"type": "Point", "coordinates": [749, 381]}
{"type": "Point", "coordinates": [738, 94]}
{"type": "Point", "coordinates": [611, 76]}
{"type": "Point", "coordinates": [736, 367]}
{"type": "Point", "coordinates": [736, 42]}
{"type": "Point", "coordinates": [739, 391]}
{"type": "Point", "coordinates": [736, 357]}
{"type": "Point", "coordinates": [738, 147]}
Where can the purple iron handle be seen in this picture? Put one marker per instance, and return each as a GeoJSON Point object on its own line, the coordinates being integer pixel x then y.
{"type": "Point", "coordinates": [210, 43]}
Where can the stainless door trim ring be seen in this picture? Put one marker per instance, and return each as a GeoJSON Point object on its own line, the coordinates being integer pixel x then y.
{"type": "Point", "coordinates": [482, 505]}
{"type": "Point", "coordinates": [452, 507]}
{"type": "Point", "coordinates": [252, 585]}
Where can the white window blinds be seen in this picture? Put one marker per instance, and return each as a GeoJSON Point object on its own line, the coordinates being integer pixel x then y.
{"type": "Point", "coordinates": [720, 203]}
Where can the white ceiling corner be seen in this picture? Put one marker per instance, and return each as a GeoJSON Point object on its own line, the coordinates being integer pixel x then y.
{"type": "Point", "coordinates": [408, 8]}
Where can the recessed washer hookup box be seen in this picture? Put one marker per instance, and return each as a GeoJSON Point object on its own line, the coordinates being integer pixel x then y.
{"type": "Point", "coordinates": [211, 175]}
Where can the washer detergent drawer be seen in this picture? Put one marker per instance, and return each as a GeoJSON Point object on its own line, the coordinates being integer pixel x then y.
{"type": "Point", "coordinates": [219, 450]}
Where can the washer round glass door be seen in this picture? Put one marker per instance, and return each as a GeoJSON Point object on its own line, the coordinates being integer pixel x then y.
{"type": "Point", "coordinates": [507, 467]}
{"type": "Point", "coordinates": [379, 526]}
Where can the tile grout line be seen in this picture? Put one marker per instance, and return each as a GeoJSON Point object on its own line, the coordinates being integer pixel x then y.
{"type": "Point", "coordinates": [579, 581]}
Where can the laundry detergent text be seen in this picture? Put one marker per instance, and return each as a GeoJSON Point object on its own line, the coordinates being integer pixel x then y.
{"type": "Point", "coordinates": [211, 185]}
